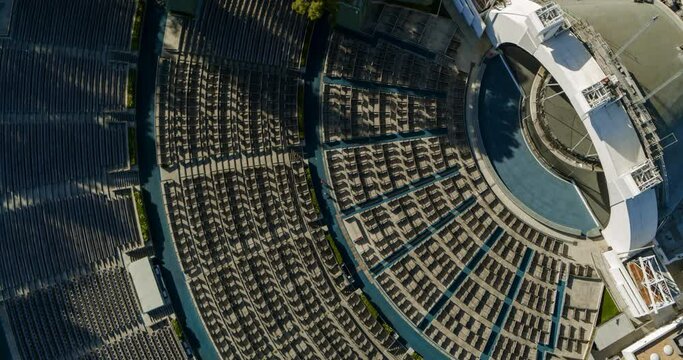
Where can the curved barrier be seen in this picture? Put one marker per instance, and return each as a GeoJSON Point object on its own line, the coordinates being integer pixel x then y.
{"type": "Point", "coordinates": [630, 175]}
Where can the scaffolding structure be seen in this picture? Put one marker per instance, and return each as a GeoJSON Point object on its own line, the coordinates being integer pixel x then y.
{"type": "Point", "coordinates": [646, 175]}
{"type": "Point", "coordinates": [601, 93]}
{"type": "Point", "coordinates": [655, 285]}
{"type": "Point", "coordinates": [550, 14]}
{"type": "Point", "coordinates": [630, 96]}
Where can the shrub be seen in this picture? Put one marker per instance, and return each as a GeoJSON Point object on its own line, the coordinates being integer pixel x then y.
{"type": "Point", "coordinates": [132, 146]}
{"type": "Point", "coordinates": [130, 88]}
{"type": "Point", "coordinates": [335, 249]}
{"type": "Point", "coordinates": [177, 329]}
{"type": "Point", "coordinates": [314, 198]}
{"type": "Point", "coordinates": [142, 216]}
{"type": "Point", "coordinates": [137, 26]}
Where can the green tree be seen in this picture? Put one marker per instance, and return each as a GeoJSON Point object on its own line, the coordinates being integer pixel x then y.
{"type": "Point", "coordinates": [314, 9]}
{"type": "Point", "coordinates": [301, 6]}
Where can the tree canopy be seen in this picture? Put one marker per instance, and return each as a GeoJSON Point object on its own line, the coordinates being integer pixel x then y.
{"type": "Point", "coordinates": [313, 9]}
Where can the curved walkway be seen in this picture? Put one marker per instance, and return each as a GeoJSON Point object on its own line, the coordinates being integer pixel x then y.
{"type": "Point", "coordinates": [544, 193]}
{"type": "Point", "coordinates": [150, 178]}
{"type": "Point", "coordinates": [314, 149]}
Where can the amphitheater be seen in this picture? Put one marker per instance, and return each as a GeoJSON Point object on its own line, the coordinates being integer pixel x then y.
{"type": "Point", "coordinates": [391, 181]}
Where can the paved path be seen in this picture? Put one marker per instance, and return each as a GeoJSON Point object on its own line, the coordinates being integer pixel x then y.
{"type": "Point", "coordinates": [183, 304]}
{"type": "Point", "coordinates": [384, 88]}
{"type": "Point", "coordinates": [384, 139]}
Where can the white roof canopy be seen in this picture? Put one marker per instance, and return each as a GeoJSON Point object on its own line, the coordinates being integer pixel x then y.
{"type": "Point", "coordinates": [145, 285]}
{"type": "Point", "coordinates": [633, 218]}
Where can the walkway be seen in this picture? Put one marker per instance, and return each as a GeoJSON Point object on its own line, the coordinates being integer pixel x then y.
{"type": "Point", "coordinates": [314, 151]}
{"type": "Point", "coordinates": [423, 236]}
{"type": "Point", "coordinates": [183, 303]}
{"type": "Point", "coordinates": [384, 88]}
{"type": "Point", "coordinates": [384, 139]}
{"type": "Point", "coordinates": [460, 278]}
{"type": "Point", "coordinates": [543, 349]}
{"type": "Point", "coordinates": [507, 304]}
{"type": "Point", "coordinates": [541, 191]}
{"type": "Point", "coordinates": [401, 191]}
{"type": "Point", "coordinates": [405, 45]}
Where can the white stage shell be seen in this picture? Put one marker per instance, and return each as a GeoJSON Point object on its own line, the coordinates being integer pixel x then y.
{"type": "Point", "coordinates": [633, 214]}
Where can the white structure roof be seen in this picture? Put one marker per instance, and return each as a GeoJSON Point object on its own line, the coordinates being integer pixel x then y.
{"type": "Point", "coordinates": [633, 215]}
{"type": "Point", "coordinates": [613, 330]}
{"type": "Point", "coordinates": [145, 285]}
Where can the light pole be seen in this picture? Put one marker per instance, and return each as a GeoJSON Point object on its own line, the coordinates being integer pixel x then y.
{"type": "Point", "coordinates": [636, 35]}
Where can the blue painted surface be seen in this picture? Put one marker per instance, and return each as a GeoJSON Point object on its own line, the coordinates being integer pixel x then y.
{"type": "Point", "coordinates": [150, 178]}
{"type": "Point", "coordinates": [399, 192]}
{"type": "Point", "coordinates": [531, 183]}
{"type": "Point", "coordinates": [423, 236]}
{"type": "Point", "coordinates": [460, 278]}
{"type": "Point", "coordinates": [383, 139]}
{"type": "Point", "coordinates": [543, 349]}
{"type": "Point", "coordinates": [314, 152]}
{"type": "Point", "coordinates": [507, 304]}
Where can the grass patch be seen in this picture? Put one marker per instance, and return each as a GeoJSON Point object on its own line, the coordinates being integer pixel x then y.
{"type": "Point", "coordinates": [335, 249]}
{"type": "Point", "coordinates": [137, 26]}
{"type": "Point", "coordinates": [608, 308]}
{"type": "Point", "coordinates": [314, 199]}
{"type": "Point", "coordinates": [371, 308]}
{"type": "Point", "coordinates": [130, 88]}
{"type": "Point", "coordinates": [416, 356]}
{"type": "Point", "coordinates": [300, 110]}
{"type": "Point", "coordinates": [132, 146]}
{"type": "Point", "coordinates": [387, 328]}
{"type": "Point", "coordinates": [142, 215]}
{"type": "Point", "coordinates": [177, 329]}
{"type": "Point", "coordinates": [375, 314]}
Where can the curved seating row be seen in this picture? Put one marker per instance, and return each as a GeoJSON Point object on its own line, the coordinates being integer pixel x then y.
{"type": "Point", "coordinates": [40, 152]}
{"type": "Point", "coordinates": [64, 290]}
{"type": "Point", "coordinates": [473, 277]}
{"type": "Point", "coordinates": [255, 256]}
{"type": "Point", "coordinates": [219, 109]}
{"type": "Point", "coordinates": [81, 24]}
{"type": "Point", "coordinates": [41, 79]}
{"type": "Point", "coordinates": [257, 32]}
